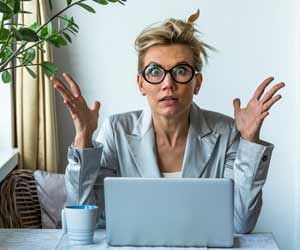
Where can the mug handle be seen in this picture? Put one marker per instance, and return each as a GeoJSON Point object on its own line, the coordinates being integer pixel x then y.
{"type": "Point", "coordinates": [63, 221]}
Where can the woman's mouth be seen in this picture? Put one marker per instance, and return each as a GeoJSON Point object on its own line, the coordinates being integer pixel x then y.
{"type": "Point", "coordinates": [169, 100]}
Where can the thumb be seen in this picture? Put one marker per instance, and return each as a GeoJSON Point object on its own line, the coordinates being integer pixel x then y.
{"type": "Point", "coordinates": [237, 104]}
{"type": "Point", "coordinates": [96, 106]}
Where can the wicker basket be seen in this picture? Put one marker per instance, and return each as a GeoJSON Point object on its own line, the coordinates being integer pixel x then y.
{"type": "Point", "coordinates": [19, 203]}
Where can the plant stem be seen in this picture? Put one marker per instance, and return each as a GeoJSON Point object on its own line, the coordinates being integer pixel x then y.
{"type": "Point", "coordinates": [22, 65]}
{"type": "Point", "coordinates": [2, 68]}
{"type": "Point", "coordinates": [4, 64]}
{"type": "Point", "coordinates": [19, 50]}
{"type": "Point", "coordinates": [58, 13]}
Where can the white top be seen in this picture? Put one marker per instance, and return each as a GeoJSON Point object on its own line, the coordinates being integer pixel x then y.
{"type": "Point", "coordinates": [172, 175]}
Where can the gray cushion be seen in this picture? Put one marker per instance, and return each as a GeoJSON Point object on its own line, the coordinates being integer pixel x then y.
{"type": "Point", "coordinates": [52, 196]}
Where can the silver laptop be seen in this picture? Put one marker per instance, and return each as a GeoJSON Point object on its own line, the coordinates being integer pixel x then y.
{"type": "Point", "coordinates": [177, 212]}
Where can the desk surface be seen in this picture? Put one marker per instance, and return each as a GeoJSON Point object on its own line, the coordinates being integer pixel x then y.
{"type": "Point", "coordinates": [46, 239]}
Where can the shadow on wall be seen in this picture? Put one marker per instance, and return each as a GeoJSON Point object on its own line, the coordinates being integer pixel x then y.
{"type": "Point", "coordinates": [65, 127]}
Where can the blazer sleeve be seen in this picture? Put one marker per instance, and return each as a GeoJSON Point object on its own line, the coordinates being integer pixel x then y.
{"type": "Point", "coordinates": [88, 167]}
{"type": "Point", "coordinates": [247, 163]}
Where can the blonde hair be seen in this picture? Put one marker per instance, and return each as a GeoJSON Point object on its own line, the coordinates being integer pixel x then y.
{"type": "Point", "coordinates": [173, 31]}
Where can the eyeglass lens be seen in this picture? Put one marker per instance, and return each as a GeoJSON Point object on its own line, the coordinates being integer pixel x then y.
{"type": "Point", "coordinates": [181, 73]}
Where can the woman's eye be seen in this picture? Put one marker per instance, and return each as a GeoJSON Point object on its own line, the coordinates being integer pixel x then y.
{"type": "Point", "coordinates": [155, 72]}
{"type": "Point", "coordinates": [180, 70]}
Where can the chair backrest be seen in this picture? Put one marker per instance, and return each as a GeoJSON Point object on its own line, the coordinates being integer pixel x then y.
{"type": "Point", "coordinates": [19, 203]}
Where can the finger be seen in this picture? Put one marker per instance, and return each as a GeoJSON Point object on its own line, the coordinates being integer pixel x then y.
{"type": "Point", "coordinates": [237, 104]}
{"type": "Point", "coordinates": [66, 95]}
{"type": "Point", "coordinates": [264, 115]}
{"type": "Point", "coordinates": [272, 91]}
{"type": "Point", "coordinates": [59, 85]}
{"type": "Point", "coordinates": [71, 108]}
{"type": "Point", "coordinates": [54, 80]}
{"type": "Point", "coordinates": [261, 88]}
{"type": "Point", "coordinates": [271, 102]}
{"type": "Point", "coordinates": [96, 106]}
{"type": "Point", "coordinates": [74, 87]}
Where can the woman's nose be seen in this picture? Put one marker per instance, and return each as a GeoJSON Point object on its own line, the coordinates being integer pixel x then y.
{"type": "Point", "coordinates": [168, 82]}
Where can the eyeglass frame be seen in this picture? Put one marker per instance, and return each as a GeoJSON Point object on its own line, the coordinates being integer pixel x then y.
{"type": "Point", "coordinates": [194, 72]}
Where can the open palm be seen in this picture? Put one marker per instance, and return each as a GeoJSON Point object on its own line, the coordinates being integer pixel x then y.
{"type": "Point", "coordinates": [85, 119]}
{"type": "Point", "coordinates": [249, 119]}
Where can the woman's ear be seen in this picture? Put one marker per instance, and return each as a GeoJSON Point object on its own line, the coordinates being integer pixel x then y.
{"type": "Point", "coordinates": [199, 79]}
{"type": "Point", "coordinates": [140, 82]}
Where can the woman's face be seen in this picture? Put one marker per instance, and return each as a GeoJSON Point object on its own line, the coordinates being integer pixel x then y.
{"type": "Point", "coordinates": [169, 98]}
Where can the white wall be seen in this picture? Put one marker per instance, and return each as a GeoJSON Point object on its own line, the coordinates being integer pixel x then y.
{"type": "Point", "coordinates": [6, 116]}
{"type": "Point", "coordinates": [255, 39]}
{"type": "Point", "coordinates": [297, 175]}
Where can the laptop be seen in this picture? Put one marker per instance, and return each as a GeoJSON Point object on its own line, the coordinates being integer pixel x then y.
{"type": "Point", "coordinates": [174, 212]}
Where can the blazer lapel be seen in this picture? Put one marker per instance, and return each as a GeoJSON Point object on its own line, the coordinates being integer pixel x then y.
{"type": "Point", "coordinates": [200, 144]}
{"type": "Point", "coordinates": [142, 146]}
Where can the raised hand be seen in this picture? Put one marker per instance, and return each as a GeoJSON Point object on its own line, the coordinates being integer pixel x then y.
{"type": "Point", "coordinates": [85, 119]}
{"type": "Point", "coordinates": [249, 119]}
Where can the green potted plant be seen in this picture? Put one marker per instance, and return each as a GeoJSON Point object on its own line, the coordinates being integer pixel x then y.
{"type": "Point", "coordinates": [18, 44]}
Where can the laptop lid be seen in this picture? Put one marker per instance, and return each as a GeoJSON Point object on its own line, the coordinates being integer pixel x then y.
{"type": "Point", "coordinates": [169, 212]}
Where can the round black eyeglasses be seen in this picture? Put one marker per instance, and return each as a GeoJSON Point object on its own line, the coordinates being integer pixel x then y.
{"type": "Point", "coordinates": [181, 73]}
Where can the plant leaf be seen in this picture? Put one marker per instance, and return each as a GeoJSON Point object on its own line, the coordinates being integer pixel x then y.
{"type": "Point", "coordinates": [73, 22]}
{"type": "Point", "coordinates": [69, 2]}
{"type": "Point", "coordinates": [2, 54]}
{"type": "Point", "coordinates": [26, 34]}
{"type": "Point", "coordinates": [57, 40]}
{"type": "Point", "coordinates": [35, 26]}
{"type": "Point", "coordinates": [50, 4]}
{"type": "Point", "coordinates": [7, 53]}
{"type": "Point", "coordinates": [25, 12]}
{"type": "Point", "coordinates": [31, 72]}
{"type": "Point", "coordinates": [73, 29]}
{"type": "Point", "coordinates": [113, 1]}
{"type": "Point", "coordinates": [4, 34]}
{"type": "Point", "coordinates": [4, 8]}
{"type": "Point", "coordinates": [87, 7]}
{"type": "Point", "coordinates": [49, 68]}
{"type": "Point", "coordinates": [103, 2]}
{"type": "Point", "coordinates": [122, 2]}
{"type": "Point", "coordinates": [7, 16]}
{"type": "Point", "coordinates": [67, 37]}
{"type": "Point", "coordinates": [28, 56]}
{"type": "Point", "coordinates": [6, 76]}
{"type": "Point", "coordinates": [16, 6]}
{"type": "Point", "coordinates": [17, 34]}
{"type": "Point", "coordinates": [69, 21]}
{"type": "Point", "coordinates": [44, 32]}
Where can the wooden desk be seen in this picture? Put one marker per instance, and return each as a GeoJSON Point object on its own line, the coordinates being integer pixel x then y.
{"type": "Point", "coordinates": [46, 239]}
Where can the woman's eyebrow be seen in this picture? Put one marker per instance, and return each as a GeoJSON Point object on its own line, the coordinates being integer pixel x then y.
{"type": "Point", "coordinates": [182, 62]}
{"type": "Point", "coordinates": [177, 63]}
{"type": "Point", "coordinates": [152, 62]}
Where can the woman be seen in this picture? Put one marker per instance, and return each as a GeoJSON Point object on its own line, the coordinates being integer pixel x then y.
{"type": "Point", "coordinates": [173, 137]}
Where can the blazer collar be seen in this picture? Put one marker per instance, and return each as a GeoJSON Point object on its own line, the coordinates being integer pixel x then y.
{"type": "Point", "coordinates": [199, 146]}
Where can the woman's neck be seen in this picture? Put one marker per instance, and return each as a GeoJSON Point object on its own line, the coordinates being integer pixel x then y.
{"type": "Point", "coordinates": [171, 130]}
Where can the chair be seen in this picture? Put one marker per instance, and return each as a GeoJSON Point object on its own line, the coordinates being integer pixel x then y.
{"type": "Point", "coordinates": [32, 199]}
{"type": "Point", "coordinates": [19, 203]}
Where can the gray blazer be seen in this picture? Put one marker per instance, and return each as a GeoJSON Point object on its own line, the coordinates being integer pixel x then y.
{"type": "Point", "coordinates": [125, 146]}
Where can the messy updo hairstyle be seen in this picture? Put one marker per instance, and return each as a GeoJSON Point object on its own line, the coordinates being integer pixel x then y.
{"type": "Point", "coordinates": [173, 31]}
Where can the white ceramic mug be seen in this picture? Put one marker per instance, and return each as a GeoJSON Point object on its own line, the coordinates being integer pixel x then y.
{"type": "Point", "coordinates": [79, 221]}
